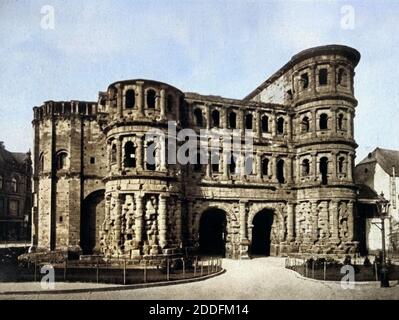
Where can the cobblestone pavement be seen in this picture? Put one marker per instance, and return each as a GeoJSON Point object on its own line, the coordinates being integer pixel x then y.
{"type": "Point", "coordinates": [262, 278]}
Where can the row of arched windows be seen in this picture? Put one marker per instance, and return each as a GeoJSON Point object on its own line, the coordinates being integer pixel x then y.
{"type": "Point", "coordinates": [323, 122]}
{"type": "Point", "coordinates": [323, 168]}
{"type": "Point", "coordinates": [61, 161]}
{"type": "Point", "coordinates": [323, 76]}
{"type": "Point", "coordinates": [151, 97]}
{"type": "Point", "coordinates": [232, 121]}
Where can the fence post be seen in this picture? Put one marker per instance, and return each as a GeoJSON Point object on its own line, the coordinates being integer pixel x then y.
{"type": "Point", "coordinates": [97, 271]}
{"type": "Point", "coordinates": [202, 267]}
{"type": "Point", "coordinates": [195, 266]}
{"type": "Point", "coordinates": [376, 271]}
{"type": "Point", "coordinates": [325, 267]}
{"type": "Point", "coordinates": [208, 266]}
{"type": "Point", "coordinates": [167, 269]}
{"type": "Point", "coordinates": [65, 268]}
{"type": "Point", "coordinates": [313, 269]}
{"type": "Point", "coordinates": [306, 269]}
{"type": "Point", "coordinates": [145, 271]}
{"type": "Point", "coordinates": [124, 271]}
{"type": "Point", "coordinates": [35, 269]}
{"type": "Point", "coordinates": [184, 268]}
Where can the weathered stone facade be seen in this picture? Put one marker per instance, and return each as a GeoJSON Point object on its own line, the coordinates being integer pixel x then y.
{"type": "Point", "coordinates": [96, 191]}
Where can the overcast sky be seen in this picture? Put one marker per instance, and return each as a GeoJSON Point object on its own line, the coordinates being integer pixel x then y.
{"type": "Point", "coordinates": [224, 48]}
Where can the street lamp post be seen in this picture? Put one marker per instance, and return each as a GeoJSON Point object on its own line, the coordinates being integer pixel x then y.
{"type": "Point", "coordinates": [383, 207]}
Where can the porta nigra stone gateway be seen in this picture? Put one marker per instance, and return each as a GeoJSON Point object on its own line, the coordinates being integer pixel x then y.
{"type": "Point", "coordinates": [96, 193]}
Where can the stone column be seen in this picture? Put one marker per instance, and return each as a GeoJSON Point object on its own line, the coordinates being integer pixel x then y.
{"type": "Point", "coordinates": [139, 153]}
{"type": "Point", "coordinates": [273, 168]}
{"type": "Point", "coordinates": [333, 76]}
{"type": "Point", "coordinates": [163, 104]}
{"type": "Point", "coordinates": [298, 169]}
{"type": "Point", "coordinates": [226, 156]}
{"type": "Point", "coordinates": [208, 119]}
{"type": "Point", "coordinates": [289, 127]}
{"type": "Point", "coordinates": [334, 232]}
{"type": "Point", "coordinates": [259, 166]}
{"type": "Point", "coordinates": [189, 222]}
{"type": "Point", "coordinates": [162, 221]}
{"type": "Point", "coordinates": [138, 225]}
{"type": "Point", "coordinates": [334, 120]}
{"type": "Point", "coordinates": [334, 164]}
{"type": "Point", "coordinates": [258, 126]}
{"type": "Point", "coordinates": [243, 220]}
{"type": "Point", "coordinates": [119, 101]}
{"type": "Point", "coordinates": [209, 166]}
{"type": "Point", "coordinates": [179, 221]}
{"type": "Point", "coordinates": [313, 78]}
{"type": "Point", "coordinates": [350, 167]}
{"type": "Point", "coordinates": [274, 125]}
{"type": "Point", "coordinates": [119, 154]}
{"type": "Point", "coordinates": [290, 222]}
{"type": "Point", "coordinates": [140, 98]}
{"type": "Point", "coordinates": [162, 153]}
{"type": "Point", "coordinates": [315, 220]}
{"type": "Point", "coordinates": [350, 221]}
{"type": "Point", "coordinates": [117, 227]}
{"type": "Point", "coordinates": [349, 126]}
{"type": "Point", "coordinates": [314, 162]}
{"type": "Point", "coordinates": [314, 123]}
{"type": "Point", "coordinates": [289, 169]}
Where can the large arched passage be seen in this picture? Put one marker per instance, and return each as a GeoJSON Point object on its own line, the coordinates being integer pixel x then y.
{"type": "Point", "coordinates": [92, 216]}
{"type": "Point", "coordinates": [261, 231]}
{"type": "Point", "coordinates": [212, 232]}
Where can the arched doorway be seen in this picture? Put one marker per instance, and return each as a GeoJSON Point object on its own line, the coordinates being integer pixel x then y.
{"type": "Point", "coordinates": [92, 216]}
{"type": "Point", "coordinates": [212, 232]}
{"type": "Point", "coordinates": [261, 231]}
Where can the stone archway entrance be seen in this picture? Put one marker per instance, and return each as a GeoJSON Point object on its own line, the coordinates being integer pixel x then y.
{"type": "Point", "coordinates": [261, 232]}
{"type": "Point", "coordinates": [212, 232]}
{"type": "Point", "coordinates": [92, 216]}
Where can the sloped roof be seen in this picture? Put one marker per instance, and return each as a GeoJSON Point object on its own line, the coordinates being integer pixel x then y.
{"type": "Point", "coordinates": [385, 158]}
{"type": "Point", "coordinates": [11, 158]}
{"type": "Point", "coordinates": [365, 192]}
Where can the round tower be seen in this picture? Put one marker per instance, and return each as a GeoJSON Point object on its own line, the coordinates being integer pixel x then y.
{"type": "Point", "coordinates": [324, 104]}
{"type": "Point", "coordinates": [142, 190]}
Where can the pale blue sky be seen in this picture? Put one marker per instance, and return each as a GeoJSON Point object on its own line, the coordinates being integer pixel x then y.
{"type": "Point", "coordinates": [212, 47]}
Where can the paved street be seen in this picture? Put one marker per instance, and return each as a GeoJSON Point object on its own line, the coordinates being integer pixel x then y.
{"type": "Point", "coordinates": [262, 278]}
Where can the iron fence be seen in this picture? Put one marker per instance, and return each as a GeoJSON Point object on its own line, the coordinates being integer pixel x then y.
{"type": "Point", "coordinates": [122, 271]}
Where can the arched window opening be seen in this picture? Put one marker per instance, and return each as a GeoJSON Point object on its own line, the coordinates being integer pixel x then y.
{"type": "Point", "coordinates": [198, 165]}
{"type": "Point", "coordinates": [199, 121]}
{"type": "Point", "coordinates": [130, 98]}
{"type": "Point", "coordinates": [280, 171]}
{"type": "Point", "coordinates": [265, 167]}
{"type": "Point", "coordinates": [113, 153]}
{"type": "Point", "coordinates": [215, 162]}
{"type": "Point", "coordinates": [340, 121]}
{"type": "Point", "coordinates": [342, 77]}
{"type": "Point", "coordinates": [232, 120]}
{"type": "Point", "coordinates": [265, 124]}
{"type": "Point", "coordinates": [62, 160]}
{"type": "Point", "coordinates": [14, 185]}
{"type": "Point", "coordinates": [248, 121]}
{"type": "Point", "coordinates": [130, 155]}
{"type": "Point", "coordinates": [249, 164]}
{"type": "Point", "coordinates": [280, 125]}
{"type": "Point", "coordinates": [341, 163]}
{"type": "Point", "coordinates": [305, 126]}
{"type": "Point", "coordinates": [304, 80]}
{"type": "Point", "coordinates": [323, 76]}
{"type": "Point", "coordinates": [323, 123]}
{"type": "Point", "coordinates": [151, 98]}
{"type": "Point", "coordinates": [324, 170]}
{"type": "Point", "coordinates": [232, 165]}
{"type": "Point", "coordinates": [305, 167]}
{"type": "Point", "coordinates": [215, 118]}
{"type": "Point", "coordinates": [169, 103]}
{"type": "Point", "coordinates": [150, 156]}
